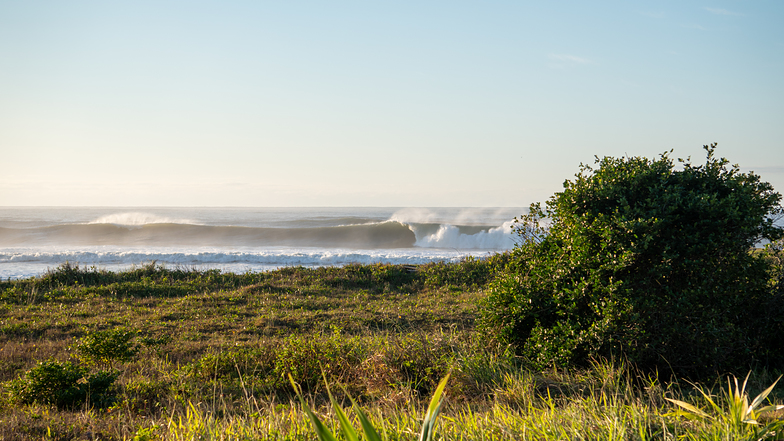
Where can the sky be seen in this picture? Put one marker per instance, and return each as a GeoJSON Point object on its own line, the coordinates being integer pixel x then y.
{"type": "Point", "coordinates": [356, 103]}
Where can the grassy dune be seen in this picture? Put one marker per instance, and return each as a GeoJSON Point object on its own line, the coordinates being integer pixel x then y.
{"type": "Point", "coordinates": [205, 355]}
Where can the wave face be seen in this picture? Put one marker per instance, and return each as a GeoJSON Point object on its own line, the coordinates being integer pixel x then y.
{"type": "Point", "coordinates": [34, 239]}
{"type": "Point", "coordinates": [382, 235]}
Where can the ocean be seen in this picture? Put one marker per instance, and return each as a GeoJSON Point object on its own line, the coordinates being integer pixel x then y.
{"type": "Point", "coordinates": [36, 239]}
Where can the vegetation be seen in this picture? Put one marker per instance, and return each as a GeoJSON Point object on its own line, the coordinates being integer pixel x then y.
{"type": "Point", "coordinates": [427, 432]}
{"type": "Point", "coordinates": [64, 385]}
{"type": "Point", "coordinates": [641, 269]}
{"type": "Point", "coordinates": [739, 414]}
{"type": "Point", "coordinates": [189, 354]}
{"type": "Point", "coordinates": [636, 260]}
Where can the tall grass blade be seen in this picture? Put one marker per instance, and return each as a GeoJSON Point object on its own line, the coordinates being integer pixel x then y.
{"type": "Point", "coordinates": [370, 432]}
{"type": "Point", "coordinates": [321, 430]}
{"type": "Point", "coordinates": [367, 427]}
{"type": "Point", "coordinates": [345, 425]}
{"type": "Point", "coordinates": [772, 408]}
{"type": "Point", "coordinates": [428, 423]}
{"type": "Point", "coordinates": [761, 397]}
{"type": "Point", "coordinates": [708, 398]}
{"type": "Point", "coordinates": [691, 408]}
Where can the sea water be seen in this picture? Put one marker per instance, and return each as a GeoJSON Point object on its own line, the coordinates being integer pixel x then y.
{"type": "Point", "coordinates": [34, 240]}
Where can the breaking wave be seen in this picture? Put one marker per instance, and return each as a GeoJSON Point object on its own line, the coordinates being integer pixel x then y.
{"type": "Point", "coordinates": [249, 239]}
{"type": "Point", "coordinates": [449, 236]}
{"type": "Point", "coordinates": [139, 219]}
{"type": "Point", "coordinates": [142, 229]}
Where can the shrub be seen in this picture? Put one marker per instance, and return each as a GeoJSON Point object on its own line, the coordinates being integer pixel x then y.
{"type": "Point", "coordinates": [68, 274]}
{"type": "Point", "coordinates": [64, 385]}
{"type": "Point", "coordinates": [103, 348]}
{"type": "Point", "coordinates": [306, 359]}
{"type": "Point", "coordinates": [638, 260]}
{"type": "Point", "coordinates": [418, 361]}
{"type": "Point", "coordinates": [470, 272]}
{"type": "Point", "coordinates": [14, 295]}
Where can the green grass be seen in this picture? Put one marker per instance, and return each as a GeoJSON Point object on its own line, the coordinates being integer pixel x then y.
{"type": "Point", "coordinates": [207, 355]}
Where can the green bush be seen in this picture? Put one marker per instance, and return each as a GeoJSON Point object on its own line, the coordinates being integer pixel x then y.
{"type": "Point", "coordinates": [68, 274]}
{"type": "Point", "coordinates": [64, 385]}
{"type": "Point", "coordinates": [233, 363]}
{"type": "Point", "coordinates": [14, 295]}
{"type": "Point", "coordinates": [419, 361]}
{"type": "Point", "coordinates": [638, 260]}
{"type": "Point", "coordinates": [470, 272]}
{"type": "Point", "coordinates": [306, 359]}
{"type": "Point", "coordinates": [103, 348]}
{"type": "Point", "coordinates": [774, 254]}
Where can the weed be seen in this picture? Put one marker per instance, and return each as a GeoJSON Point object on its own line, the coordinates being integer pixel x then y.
{"type": "Point", "coordinates": [737, 414]}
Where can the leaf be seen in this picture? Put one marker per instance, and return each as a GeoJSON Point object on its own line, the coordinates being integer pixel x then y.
{"type": "Point", "coordinates": [743, 390]}
{"type": "Point", "coordinates": [691, 408]}
{"type": "Point", "coordinates": [428, 423]}
{"type": "Point", "coordinates": [370, 432]}
{"type": "Point", "coordinates": [683, 413]}
{"type": "Point", "coordinates": [321, 430]}
{"type": "Point", "coordinates": [345, 424]}
{"type": "Point", "coordinates": [710, 400]}
{"type": "Point", "coordinates": [770, 409]}
{"type": "Point", "coordinates": [764, 394]}
{"type": "Point", "coordinates": [367, 427]}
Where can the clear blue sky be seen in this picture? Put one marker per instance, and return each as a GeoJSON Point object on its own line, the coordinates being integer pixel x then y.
{"type": "Point", "coordinates": [246, 103]}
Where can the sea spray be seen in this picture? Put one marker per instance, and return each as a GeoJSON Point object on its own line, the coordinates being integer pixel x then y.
{"type": "Point", "coordinates": [139, 218]}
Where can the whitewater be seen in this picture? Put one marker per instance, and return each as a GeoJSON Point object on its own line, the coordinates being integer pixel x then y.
{"type": "Point", "coordinates": [34, 240]}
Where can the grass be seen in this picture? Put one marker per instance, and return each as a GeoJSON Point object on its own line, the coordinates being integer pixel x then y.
{"type": "Point", "coordinates": [207, 355]}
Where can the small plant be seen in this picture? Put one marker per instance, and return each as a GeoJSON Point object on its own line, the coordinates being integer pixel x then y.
{"type": "Point", "coordinates": [145, 434]}
{"type": "Point", "coordinates": [103, 348]}
{"type": "Point", "coordinates": [305, 358]}
{"type": "Point", "coordinates": [419, 360]}
{"type": "Point", "coordinates": [470, 272]}
{"type": "Point", "coordinates": [64, 385]}
{"type": "Point", "coordinates": [739, 411]}
{"type": "Point", "coordinates": [68, 274]}
{"type": "Point", "coordinates": [371, 433]}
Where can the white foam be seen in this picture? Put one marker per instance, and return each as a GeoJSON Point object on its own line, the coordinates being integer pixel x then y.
{"type": "Point", "coordinates": [133, 219]}
{"type": "Point", "coordinates": [448, 236]}
{"type": "Point", "coordinates": [28, 262]}
{"type": "Point", "coordinates": [442, 234]}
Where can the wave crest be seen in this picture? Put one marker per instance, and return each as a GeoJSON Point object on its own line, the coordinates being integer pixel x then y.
{"type": "Point", "coordinates": [138, 219]}
{"type": "Point", "coordinates": [449, 236]}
